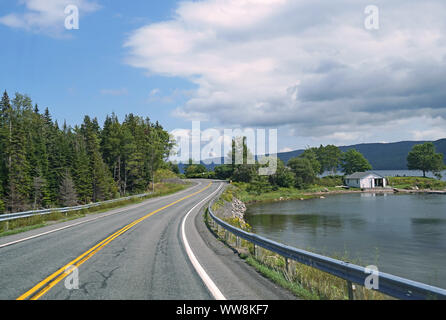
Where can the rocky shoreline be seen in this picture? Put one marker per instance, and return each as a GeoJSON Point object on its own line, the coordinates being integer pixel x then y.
{"type": "Point", "coordinates": [232, 210]}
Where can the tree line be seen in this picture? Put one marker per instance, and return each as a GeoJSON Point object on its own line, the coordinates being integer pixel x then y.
{"type": "Point", "coordinates": [44, 164]}
{"type": "Point", "coordinates": [304, 170]}
{"type": "Point", "coordinates": [299, 172]}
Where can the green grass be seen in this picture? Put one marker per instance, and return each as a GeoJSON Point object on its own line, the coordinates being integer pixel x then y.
{"type": "Point", "coordinates": [281, 193]}
{"type": "Point", "coordinates": [420, 182]}
{"type": "Point", "coordinates": [36, 222]}
{"type": "Point", "coordinates": [279, 278]}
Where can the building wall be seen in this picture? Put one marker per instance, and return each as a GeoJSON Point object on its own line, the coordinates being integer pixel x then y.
{"type": "Point", "coordinates": [367, 183]}
{"type": "Point", "coordinates": [364, 183]}
{"type": "Point", "coordinates": [353, 183]}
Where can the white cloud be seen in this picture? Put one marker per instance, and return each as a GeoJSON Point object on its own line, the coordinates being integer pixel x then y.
{"type": "Point", "coordinates": [46, 16]}
{"type": "Point", "coordinates": [304, 65]}
{"type": "Point", "coordinates": [154, 92]}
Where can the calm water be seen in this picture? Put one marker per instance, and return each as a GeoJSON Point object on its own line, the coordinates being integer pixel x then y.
{"type": "Point", "coordinates": [404, 235]}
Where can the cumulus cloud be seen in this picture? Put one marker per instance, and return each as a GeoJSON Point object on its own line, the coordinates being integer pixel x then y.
{"type": "Point", "coordinates": [309, 66]}
{"type": "Point", "coordinates": [45, 16]}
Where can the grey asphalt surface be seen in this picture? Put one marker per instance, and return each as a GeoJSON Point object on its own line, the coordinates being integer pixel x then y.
{"type": "Point", "coordinates": [147, 262]}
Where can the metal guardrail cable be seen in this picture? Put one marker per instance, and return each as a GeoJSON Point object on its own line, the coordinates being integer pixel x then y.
{"type": "Point", "coordinates": [391, 285]}
{"type": "Point", "coordinates": [27, 214]}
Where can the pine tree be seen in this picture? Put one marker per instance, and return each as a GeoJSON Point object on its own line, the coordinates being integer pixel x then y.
{"type": "Point", "coordinates": [5, 134]}
{"type": "Point", "coordinates": [102, 185]}
{"type": "Point", "coordinates": [43, 165]}
{"type": "Point", "coordinates": [81, 170]}
{"type": "Point", "coordinates": [19, 179]}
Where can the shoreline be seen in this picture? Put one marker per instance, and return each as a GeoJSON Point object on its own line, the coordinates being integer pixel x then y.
{"type": "Point", "coordinates": [322, 194]}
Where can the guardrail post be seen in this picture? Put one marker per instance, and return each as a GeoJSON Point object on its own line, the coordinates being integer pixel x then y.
{"type": "Point", "coordinates": [256, 251]}
{"type": "Point", "coordinates": [237, 242]}
{"type": "Point", "coordinates": [288, 266]}
{"type": "Point", "coordinates": [351, 295]}
{"type": "Point", "coordinates": [7, 226]}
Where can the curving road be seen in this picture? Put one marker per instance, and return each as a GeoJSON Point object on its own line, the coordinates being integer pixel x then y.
{"type": "Point", "coordinates": [156, 250]}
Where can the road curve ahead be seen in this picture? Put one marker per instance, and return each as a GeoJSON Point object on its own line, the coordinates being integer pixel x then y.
{"type": "Point", "coordinates": [157, 250]}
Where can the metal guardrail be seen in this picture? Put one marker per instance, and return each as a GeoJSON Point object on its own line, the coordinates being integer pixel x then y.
{"type": "Point", "coordinates": [390, 285]}
{"type": "Point", "coordinates": [27, 214]}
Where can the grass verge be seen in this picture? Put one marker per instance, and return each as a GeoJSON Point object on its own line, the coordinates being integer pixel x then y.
{"type": "Point", "coordinates": [279, 278]}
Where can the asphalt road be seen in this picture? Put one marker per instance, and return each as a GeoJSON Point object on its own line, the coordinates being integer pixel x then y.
{"type": "Point", "coordinates": [132, 253]}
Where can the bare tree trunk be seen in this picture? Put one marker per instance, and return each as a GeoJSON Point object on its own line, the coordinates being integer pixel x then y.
{"type": "Point", "coordinates": [119, 175]}
{"type": "Point", "coordinates": [153, 182]}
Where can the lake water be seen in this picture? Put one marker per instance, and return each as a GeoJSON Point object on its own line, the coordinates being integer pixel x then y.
{"type": "Point", "coordinates": [402, 234]}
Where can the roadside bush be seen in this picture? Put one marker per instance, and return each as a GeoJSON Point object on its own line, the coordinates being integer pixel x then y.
{"type": "Point", "coordinates": [260, 185]}
{"type": "Point", "coordinates": [223, 172]}
{"type": "Point", "coordinates": [164, 174]}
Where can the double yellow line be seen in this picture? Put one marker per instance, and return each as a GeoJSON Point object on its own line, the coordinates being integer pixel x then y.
{"type": "Point", "coordinates": [44, 286]}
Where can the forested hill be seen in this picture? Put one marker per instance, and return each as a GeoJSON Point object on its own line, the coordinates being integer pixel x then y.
{"type": "Point", "coordinates": [43, 164]}
{"type": "Point", "coordinates": [382, 156]}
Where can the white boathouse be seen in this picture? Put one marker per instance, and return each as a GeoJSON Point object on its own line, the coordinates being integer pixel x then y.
{"type": "Point", "coordinates": [366, 180]}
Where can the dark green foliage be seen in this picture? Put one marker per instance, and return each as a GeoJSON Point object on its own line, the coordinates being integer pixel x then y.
{"type": "Point", "coordinates": [173, 167]}
{"type": "Point", "coordinates": [223, 172]}
{"type": "Point", "coordinates": [312, 156]}
{"type": "Point", "coordinates": [43, 165]}
{"type": "Point", "coordinates": [259, 185]}
{"type": "Point", "coordinates": [329, 157]}
{"type": "Point", "coordinates": [353, 161]}
{"type": "Point", "coordinates": [303, 171]}
{"type": "Point", "coordinates": [283, 177]}
{"type": "Point", "coordinates": [424, 157]}
{"type": "Point", "coordinates": [195, 170]}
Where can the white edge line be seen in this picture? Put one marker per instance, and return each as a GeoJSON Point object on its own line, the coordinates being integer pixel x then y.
{"type": "Point", "coordinates": [212, 287]}
{"type": "Point", "coordinates": [82, 222]}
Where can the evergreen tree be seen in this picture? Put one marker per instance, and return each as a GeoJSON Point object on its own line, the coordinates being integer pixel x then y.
{"type": "Point", "coordinates": [43, 165]}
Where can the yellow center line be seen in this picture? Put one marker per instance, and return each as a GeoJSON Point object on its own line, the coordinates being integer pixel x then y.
{"type": "Point", "coordinates": [60, 274]}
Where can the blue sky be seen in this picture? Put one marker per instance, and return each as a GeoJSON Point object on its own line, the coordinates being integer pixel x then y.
{"type": "Point", "coordinates": [83, 71]}
{"type": "Point", "coordinates": [311, 69]}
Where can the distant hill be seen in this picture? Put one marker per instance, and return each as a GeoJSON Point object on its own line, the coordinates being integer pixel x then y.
{"type": "Point", "coordinates": [382, 156]}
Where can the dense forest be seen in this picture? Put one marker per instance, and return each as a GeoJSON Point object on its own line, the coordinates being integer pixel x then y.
{"type": "Point", "coordinates": [44, 164]}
